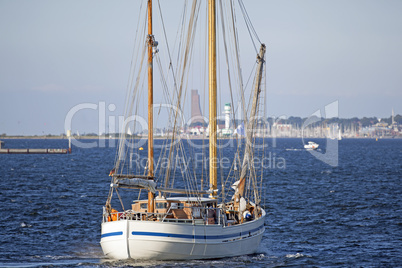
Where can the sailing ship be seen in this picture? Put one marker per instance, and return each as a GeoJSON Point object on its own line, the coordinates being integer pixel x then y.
{"type": "Point", "coordinates": [194, 221]}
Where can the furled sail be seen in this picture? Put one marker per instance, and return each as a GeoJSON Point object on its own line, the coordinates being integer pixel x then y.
{"type": "Point", "coordinates": [150, 185]}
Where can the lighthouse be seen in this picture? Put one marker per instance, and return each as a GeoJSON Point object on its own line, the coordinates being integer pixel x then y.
{"type": "Point", "coordinates": [227, 115]}
{"type": "Point", "coordinates": [228, 109]}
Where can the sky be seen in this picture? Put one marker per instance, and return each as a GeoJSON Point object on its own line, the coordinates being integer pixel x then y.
{"type": "Point", "coordinates": [56, 56]}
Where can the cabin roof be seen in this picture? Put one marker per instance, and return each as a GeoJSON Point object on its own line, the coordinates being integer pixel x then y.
{"type": "Point", "coordinates": [182, 199]}
{"type": "Point", "coordinates": [192, 199]}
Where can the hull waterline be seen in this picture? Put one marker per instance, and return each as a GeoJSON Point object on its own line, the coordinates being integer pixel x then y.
{"type": "Point", "coordinates": [131, 239]}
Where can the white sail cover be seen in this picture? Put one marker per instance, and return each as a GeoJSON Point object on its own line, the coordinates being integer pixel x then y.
{"type": "Point", "coordinates": [150, 185]}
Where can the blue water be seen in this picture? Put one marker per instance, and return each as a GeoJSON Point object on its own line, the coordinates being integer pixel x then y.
{"type": "Point", "coordinates": [317, 215]}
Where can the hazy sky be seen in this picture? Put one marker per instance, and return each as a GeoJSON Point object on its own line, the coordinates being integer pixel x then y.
{"type": "Point", "coordinates": [55, 55]}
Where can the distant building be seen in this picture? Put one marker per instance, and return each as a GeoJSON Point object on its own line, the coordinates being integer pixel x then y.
{"type": "Point", "coordinates": [196, 115]}
{"type": "Point", "coordinates": [282, 130]}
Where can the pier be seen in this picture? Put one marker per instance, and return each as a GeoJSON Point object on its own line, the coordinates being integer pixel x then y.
{"type": "Point", "coordinates": [35, 151]}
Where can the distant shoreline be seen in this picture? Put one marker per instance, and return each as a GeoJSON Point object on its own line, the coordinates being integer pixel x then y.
{"type": "Point", "coordinates": [190, 137]}
{"type": "Point", "coordinates": [47, 137]}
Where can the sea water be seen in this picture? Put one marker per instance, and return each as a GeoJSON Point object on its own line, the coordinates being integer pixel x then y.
{"type": "Point", "coordinates": [348, 215]}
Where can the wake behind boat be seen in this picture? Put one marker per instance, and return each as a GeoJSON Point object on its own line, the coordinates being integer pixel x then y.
{"type": "Point", "coordinates": [168, 222]}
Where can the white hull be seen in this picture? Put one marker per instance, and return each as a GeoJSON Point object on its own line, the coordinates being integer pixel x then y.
{"type": "Point", "coordinates": [310, 148]}
{"type": "Point", "coordinates": [131, 239]}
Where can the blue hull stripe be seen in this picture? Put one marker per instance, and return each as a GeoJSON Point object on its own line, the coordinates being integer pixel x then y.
{"type": "Point", "coordinates": [111, 234]}
{"type": "Point", "coordinates": [198, 236]}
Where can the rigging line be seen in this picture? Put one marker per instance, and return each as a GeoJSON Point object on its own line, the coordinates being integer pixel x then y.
{"type": "Point", "coordinates": [124, 153]}
{"type": "Point", "coordinates": [235, 176]}
{"type": "Point", "coordinates": [260, 193]}
{"type": "Point", "coordinates": [186, 175]}
{"type": "Point", "coordinates": [170, 114]}
{"type": "Point", "coordinates": [129, 109]}
{"type": "Point", "coordinates": [220, 151]}
{"type": "Point", "coordinates": [248, 81]}
{"type": "Point", "coordinates": [252, 167]}
{"type": "Point", "coordinates": [136, 98]}
{"type": "Point", "coordinates": [190, 52]}
{"type": "Point", "coordinates": [191, 183]}
{"type": "Point", "coordinates": [250, 22]}
{"type": "Point", "coordinates": [249, 25]}
{"type": "Point", "coordinates": [189, 43]}
{"type": "Point", "coordinates": [192, 152]}
{"type": "Point", "coordinates": [162, 79]}
{"type": "Point", "coordinates": [121, 201]}
{"type": "Point", "coordinates": [193, 174]}
{"type": "Point", "coordinates": [164, 32]}
{"type": "Point", "coordinates": [231, 171]}
{"type": "Point", "coordinates": [136, 112]}
{"type": "Point", "coordinates": [203, 79]}
{"type": "Point", "coordinates": [132, 68]}
{"type": "Point", "coordinates": [239, 72]}
{"type": "Point", "coordinates": [133, 93]}
{"type": "Point", "coordinates": [179, 49]}
{"type": "Point", "coordinates": [167, 45]}
{"type": "Point", "coordinates": [110, 195]}
{"type": "Point", "coordinates": [170, 67]}
{"type": "Point", "coordinates": [194, 166]}
{"type": "Point", "coordinates": [228, 64]}
{"type": "Point", "coordinates": [204, 86]}
{"type": "Point", "coordinates": [227, 57]}
{"type": "Point", "coordinates": [253, 152]}
{"type": "Point", "coordinates": [180, 36]}
{"type": "Point", "coordinates": [162, 156]}
{"type": "Point", "coordinates": [168, 98]}
{"type": "Point", "coordinates": [179, 161]}
{"type": "Point", "coordinates": [229, 76]}
{"type": "Point", "coordinates": [259, 183]}
{"type": "Point", "coordinates": [174, 173]}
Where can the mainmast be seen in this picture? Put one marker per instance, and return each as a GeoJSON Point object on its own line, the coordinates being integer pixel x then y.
{"type": "Point", "coordinates": [213, 171]}
{"type": "Point", "coordinates": [151, 44]}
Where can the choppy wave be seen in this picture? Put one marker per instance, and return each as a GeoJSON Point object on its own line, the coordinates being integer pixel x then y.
{"type": "Point", "coordinates": [317, 215]}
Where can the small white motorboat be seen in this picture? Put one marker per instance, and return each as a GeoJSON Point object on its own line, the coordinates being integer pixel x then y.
{"type": "Point", "coordinates": [311, 146]}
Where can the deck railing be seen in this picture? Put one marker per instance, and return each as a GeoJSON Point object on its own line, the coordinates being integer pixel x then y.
{"type": "Point", "coordinates": [208, 216]}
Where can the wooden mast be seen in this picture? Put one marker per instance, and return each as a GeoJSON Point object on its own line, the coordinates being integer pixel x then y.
{"type": "Point", "coordinates": [251, 124]}
{"type": "Point", "coordinates": [213, 172]}
{"type": "Point", "coordinates": [151, 41]}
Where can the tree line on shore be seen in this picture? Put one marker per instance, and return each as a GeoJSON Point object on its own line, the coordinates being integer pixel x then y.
{"type": "Point", "coordinates": [292, 120]}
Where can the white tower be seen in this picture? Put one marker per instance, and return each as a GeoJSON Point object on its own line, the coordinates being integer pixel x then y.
{"type": "Point", "coordinates": [227, 115]}
{"type": "Point", "coordinates": [393, 115]}
{"type": "Point", "coordinates": [227, 131]}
